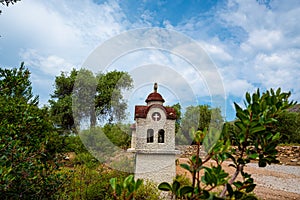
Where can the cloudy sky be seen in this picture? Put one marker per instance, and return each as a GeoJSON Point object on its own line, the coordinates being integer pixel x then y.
{"type": "Point", "coordinates": [251, 43]}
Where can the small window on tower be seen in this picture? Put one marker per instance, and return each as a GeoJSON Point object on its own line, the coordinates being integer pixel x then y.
{"type": "Point", "coordinates": [161, 136]}
{"type": "Point", "coordinates": [150, 134]}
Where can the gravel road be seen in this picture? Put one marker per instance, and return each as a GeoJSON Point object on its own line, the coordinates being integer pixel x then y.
{"type": "Point", "coordinates": [274, 182]}
{"type": "Point", "coordinates": [278, 177]}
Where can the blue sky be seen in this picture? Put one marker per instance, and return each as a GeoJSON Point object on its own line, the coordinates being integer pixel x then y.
{"type": "Point", "coordinates": [252, 43]}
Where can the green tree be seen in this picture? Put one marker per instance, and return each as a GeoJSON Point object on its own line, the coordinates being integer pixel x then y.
{"type": "Point", "coordinates": [177, 108]}
{"type": "Point", "coordinates": [118, 134]}
{"type": "Point", "coordinates": [289, 126]}
{"type": "Point", "coordinates": [27, 162]}
{"type": "Point", "coordinates": [200, 117]}
{"type": "Point", "coordinates": [89, 98]}
{"type": "Point", "coordinates": [61, 101]}
{"type": "Point", "coordinates": [110, 104]}
{"type": "Point", "coordinates": [83, 98]}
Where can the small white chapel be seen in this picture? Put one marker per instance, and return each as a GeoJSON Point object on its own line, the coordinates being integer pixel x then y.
{"type": "Point", "coordinates": [153, 140]}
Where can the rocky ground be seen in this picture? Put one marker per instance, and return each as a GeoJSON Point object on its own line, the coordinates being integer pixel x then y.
{"type": "Point", "coordinates": [273, 182]}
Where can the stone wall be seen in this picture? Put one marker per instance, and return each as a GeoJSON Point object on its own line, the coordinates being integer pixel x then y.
{"type": "Point", "coordinates": [142, 125]}
{"type": "Point", "coordinates": [155, 167]}
{"type": "Point", "coordinates": [287, 155]}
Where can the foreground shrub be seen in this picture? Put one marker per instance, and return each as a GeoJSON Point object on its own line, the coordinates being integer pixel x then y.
{"type": "Point", "coordinates": [148, 191]}
{"type": "Point", "coordinates": [90, 182]}
{"type": "Point", "coordinates": [28, 154]}
{"type": "Point", "coordinates": [256, 139]}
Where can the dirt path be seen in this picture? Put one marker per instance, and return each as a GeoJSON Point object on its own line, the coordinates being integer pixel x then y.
{"type": "Point", "coordinates": [274, 182]}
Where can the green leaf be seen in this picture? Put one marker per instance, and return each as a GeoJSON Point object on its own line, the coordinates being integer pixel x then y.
{"type": "Point", "coordinates": [175, 186]}
{"type": "Point", "coordinates": [185, 190]}
{"type": "Point", "coordinates": [238, 184]}
{"type": "Point", "coordinates": [255, 108]}
{"type": "Point", "coordinates": [238, 194]}
{"type": "Point", "coordinates": [206, 194]}
{"type": "Point", "coordinates": [237, 107]}
{"type": "Point", "coordinates": [128, 181]}
{"type": "Point", "coordinates": [253, 156]}
{"type": "Point", "coordinates": [248, 97]}
{"type": "Point", "coordinates": [255, 97]}
{"type": "Point", "coordinates": [113, 183]}
{"type": "Point", "coordinates": [276, 136]}
{"type": "Point", "coordinates": [262, 163]}
{"type": "Point", "coordinates": [278, 91]}
{"type": "Point", "coordinates": [229, 189]}
{"type": "Point", "coordinates": [165, 186]}
{"type": "Point", "coordinates": [118, 190]}
{"type": "Point", "coordinates": [186, 166]}
{"type": "Point", "coordinates": [257, 129]}
{"type": "Point", "coordinates": [138, 183]}
{"type": "Point", "coordinates": [241, 161]}
{"type": "Point", "coordinates": [250, 188]}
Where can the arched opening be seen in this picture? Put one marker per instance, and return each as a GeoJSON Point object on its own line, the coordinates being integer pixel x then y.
{"type": "Point", "coordinates": [150, 135]}
{"type": "Point", "coordinates": [161, 136]}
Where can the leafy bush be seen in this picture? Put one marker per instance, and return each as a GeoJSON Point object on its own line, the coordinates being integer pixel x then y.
{"type": "Point", "coordinates": [256, 139]}
{"type": "Point", "coordinates": [28, 161]}
{"type": "Point", "coordinates": [89, 183]}
{"type": "Point", "coordinates": [86, 159]}
{"type": "Point", "coordinates": [127, 189]}
{"type": "Point", "coordinates": [118, 134]}
{"type": "Point", "coordinates": [73, 143]}
{"type": "Point", "coordinates": [289, 126]}
{"type": "Point", "coordinates": [148, 191]}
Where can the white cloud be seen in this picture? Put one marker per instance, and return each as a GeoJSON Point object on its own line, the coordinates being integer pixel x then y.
{"type": "Point", "coordinates": [50, 64]}
{"type": "Point", "coordinates": [216, 50]}
{"type": "Point", "coordinates": [268, 55]}
{"type": "Point", "coordinates": [264, 39]}
{"type": "Point", "coordinates": [68, 30]}
{"type": "Point", "coordinates": [238, 87]}
{"type": "Point", "coordinates": [252, 45]}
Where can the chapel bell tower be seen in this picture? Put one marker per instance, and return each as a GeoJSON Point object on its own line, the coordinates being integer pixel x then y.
{"type": "Point", "coordinates": [153, 140]}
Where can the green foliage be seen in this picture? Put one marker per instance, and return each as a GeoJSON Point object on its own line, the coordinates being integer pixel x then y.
{"type": "Point", "coordinates": [148, 191]}
{"type": "Point", "coordinates": [81, 96]}
{"type": "Point", "coordinates": [15, 85]}
{"type": "Point", "coordinates": [89, 183]}
{"type": "Point", "coordinates": [199, 118]}
{"type": "Point", "coordinates": [255, 136]}
{"type": "Point", "coordinates": [86, 159]}
{"type": "Point", "coordinates": [183, 180]}
{"type": "Point", "coordinates": [177, 108]}
{"type": "Point", "coordinates": [98, 144]}
{"type": "Point", "coordinates": [119, 134]}
{"type": "Point", "coordinates": [61, 101]}
{"type": "Point", "coordinates": [73, 143]}
{"type": "Point", "coordinates": [27, 148]}
{"type": "Point", "coordinates": [109, 101]}
{"type": "Point", "coordinates": [127, 189]}
{"type": "Point", "coordinates": [257, 123]}
{"type": "Point", "coordinates": [289, 126]}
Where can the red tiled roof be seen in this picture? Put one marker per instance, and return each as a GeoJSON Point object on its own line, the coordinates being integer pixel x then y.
{"type": "Point", "coordinates": [154, 96]}
{"type": "Point", "coordinates": [142, 111]}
